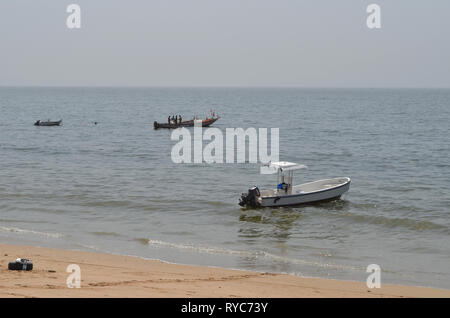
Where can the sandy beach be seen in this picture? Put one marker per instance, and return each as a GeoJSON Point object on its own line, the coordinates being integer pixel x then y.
{"type": "Point", "coordinates": [104, 275]}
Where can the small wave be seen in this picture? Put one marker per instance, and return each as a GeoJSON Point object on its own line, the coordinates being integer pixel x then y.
{"type": "Point", "coordinates": [397, 222]}
{"type": "Point", "coordinates": [192, 247]}
{"type": "Point", "coordinates": [100, 233]}
{"type": "Point", "coordinates": [159, 205]}
{"type": "Point", "coordinates": [21, 221]}
{"type": "Point", "coordinates": [253, 254]}
{"type": "Point", "coordinates": [24, 231]}
{"type": "Point", "coordinates": [109, 204]}
{"type": "Point", "coordinates": [143, 241]}
{"type": "Point", "coordinates": [21, 148]}
{"type": "Point", "coordinates": [311, 263]}
{"type": "Point", "coordinates": [91, 247]}
{"type": "Point", "coordinates": [214, 203]}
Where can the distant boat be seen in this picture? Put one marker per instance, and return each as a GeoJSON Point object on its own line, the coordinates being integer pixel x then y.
{"type": "Point", "coordinates": [48, 123]}
{"type": "Point", "coordinates": [189, 123]}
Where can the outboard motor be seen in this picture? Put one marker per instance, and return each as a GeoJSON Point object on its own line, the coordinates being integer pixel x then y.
{"type": "Point", "coordinates": [251, 198]}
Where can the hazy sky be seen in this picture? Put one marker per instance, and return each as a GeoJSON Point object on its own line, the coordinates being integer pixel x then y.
{"type": "Point", "coordinates": [309, 43]}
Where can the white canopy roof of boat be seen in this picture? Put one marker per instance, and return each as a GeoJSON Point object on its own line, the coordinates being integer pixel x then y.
{"type": "Point", "coordinates": [284, 166]}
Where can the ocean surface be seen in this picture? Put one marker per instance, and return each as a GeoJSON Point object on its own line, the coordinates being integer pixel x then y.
{"type": "Point", "coordinates": [112, 187]}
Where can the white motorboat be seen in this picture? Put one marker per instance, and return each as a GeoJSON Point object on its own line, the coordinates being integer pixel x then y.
{"type": "Point", "coordinates": [287, 194]}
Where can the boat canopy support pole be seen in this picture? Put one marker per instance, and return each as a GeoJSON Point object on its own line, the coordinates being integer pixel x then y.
{"type": "Point", "coordinates": [287, 178]}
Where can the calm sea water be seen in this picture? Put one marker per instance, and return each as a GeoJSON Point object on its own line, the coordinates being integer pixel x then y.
{"type": "Point", "coordinates": [112, 187]}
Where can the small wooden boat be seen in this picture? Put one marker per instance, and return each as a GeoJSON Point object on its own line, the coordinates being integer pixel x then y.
{"type": "Point", "coordinates": [286, 194]}
{"type": "Point", "coordinates": [188, 123]}
{"type": "Point", "coordinates": [48, 123]}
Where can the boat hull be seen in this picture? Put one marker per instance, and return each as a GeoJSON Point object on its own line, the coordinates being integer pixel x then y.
{"type": "Point", "coordinates": [188, 123]}
{"type": "Point", "coordinates": [48, 123]}
{"type": "Point", "coordinates": [306, 198]}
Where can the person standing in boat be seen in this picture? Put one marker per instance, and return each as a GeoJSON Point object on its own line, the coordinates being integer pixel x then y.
{"type": "Point", "coordinates": [181, 119]}
{"type": "Point", "coordinates": [168, 119]}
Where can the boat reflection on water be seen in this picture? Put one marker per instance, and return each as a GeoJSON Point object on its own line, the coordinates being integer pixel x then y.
{"type": "Point", "coordinates": [280, 222]}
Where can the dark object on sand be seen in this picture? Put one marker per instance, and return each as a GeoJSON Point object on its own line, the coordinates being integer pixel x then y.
{"type": "Point", "coordinates": [48, 123]}
{"type": "Point", "coordinates": [20, 264]}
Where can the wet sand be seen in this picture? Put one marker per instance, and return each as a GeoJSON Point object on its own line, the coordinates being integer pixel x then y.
{"type": "Point", "coordinates": [104, 275]}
